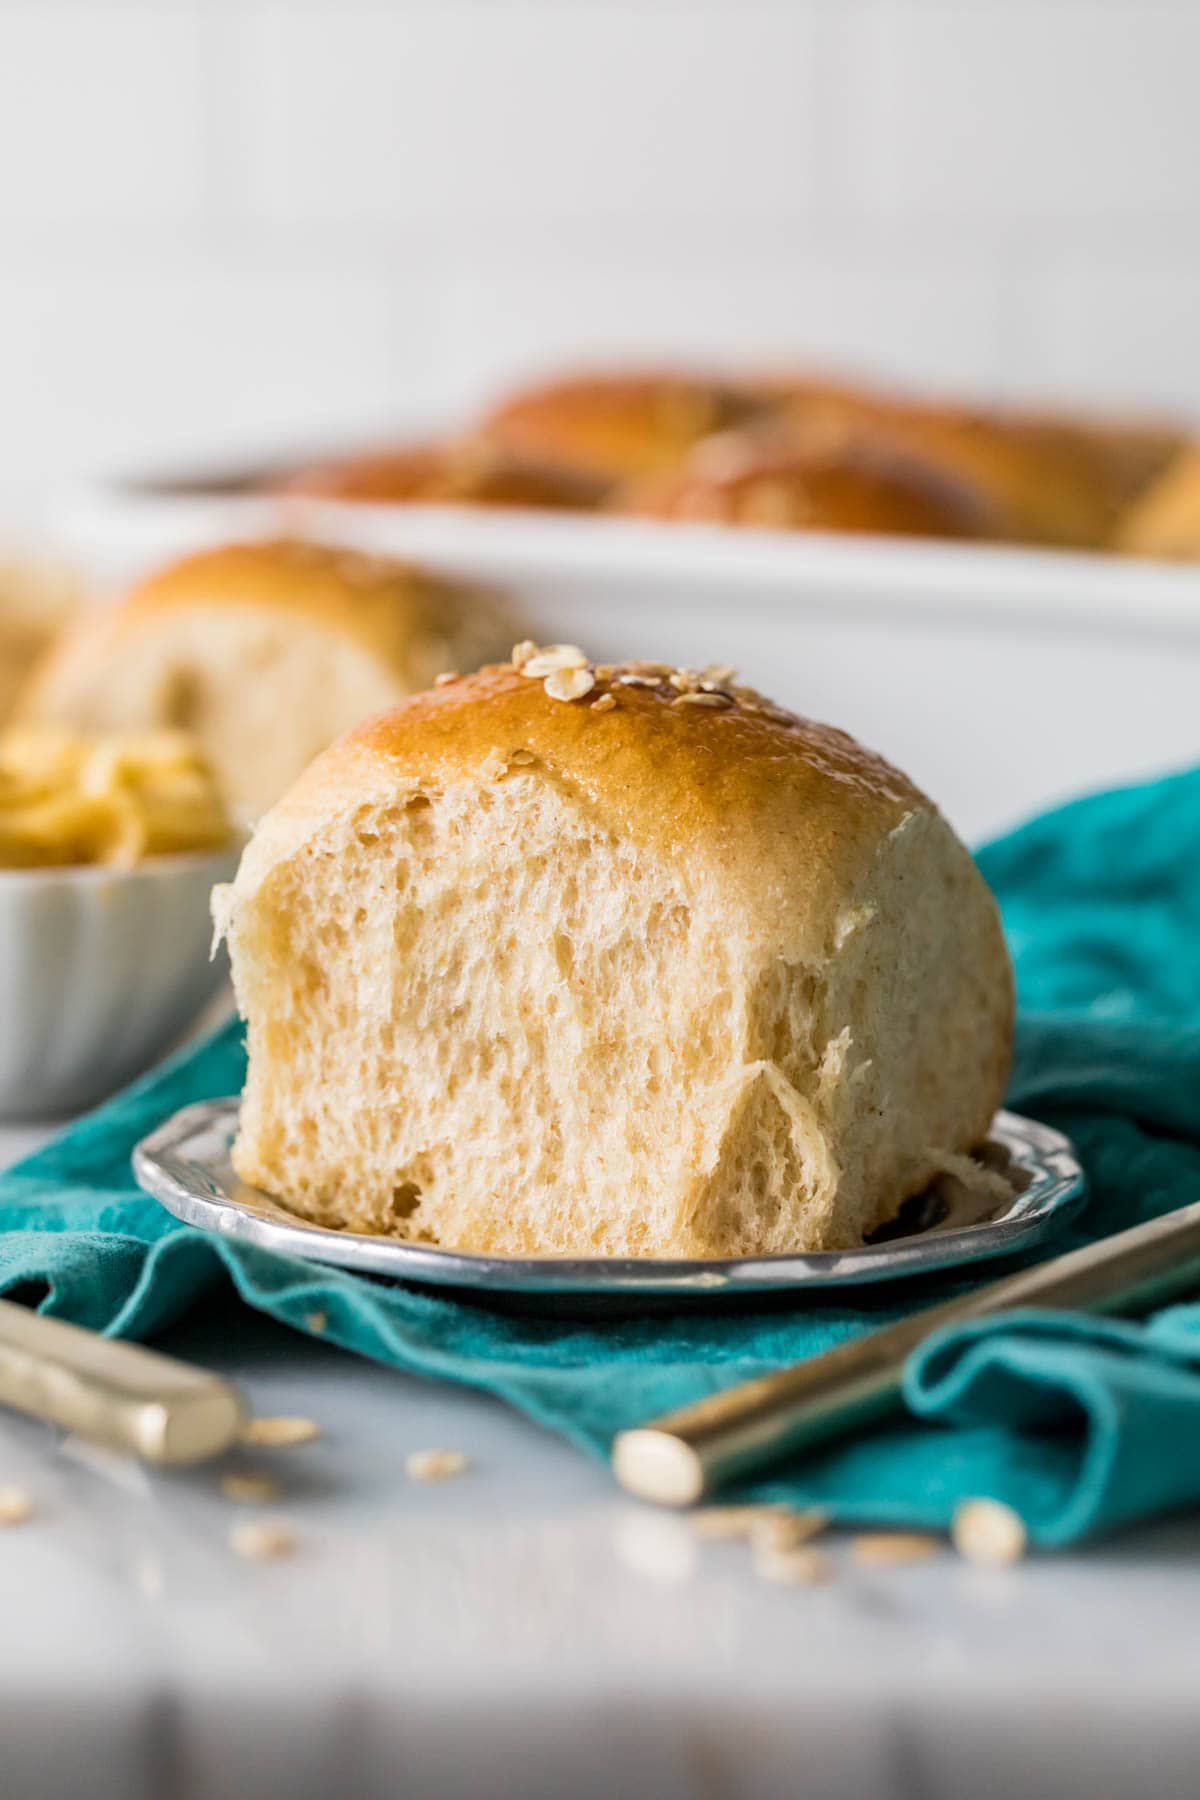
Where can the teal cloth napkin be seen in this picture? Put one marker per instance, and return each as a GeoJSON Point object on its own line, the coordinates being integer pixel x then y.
{"type": "Point", "coordinates": [1081, 1425]}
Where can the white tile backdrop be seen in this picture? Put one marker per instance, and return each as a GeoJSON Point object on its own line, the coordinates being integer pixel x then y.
{"type": "Point", "coordinates": [230, 222]}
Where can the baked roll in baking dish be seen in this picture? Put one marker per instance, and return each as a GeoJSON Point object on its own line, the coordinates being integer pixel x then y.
{"type": "Point", "coordinates": [1166, 520]}
{"type": "Point", "coordinates": [569, 959]}
{"type": "Point", "coordinates": [614, 426]}
{"type": "Point", "coordinates": [1049, 478]}
{"type": "Point", "coordinates": [824, 481]}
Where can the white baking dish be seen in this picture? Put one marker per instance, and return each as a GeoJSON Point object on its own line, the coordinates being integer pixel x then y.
{"type": "Point", "coordinates": [1001, 679]}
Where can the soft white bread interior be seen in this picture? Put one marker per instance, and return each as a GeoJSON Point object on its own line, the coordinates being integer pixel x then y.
{"type": "Point", "coordinates": [659, 970]}
{"type": "Point", "coordinates": [264, 652]}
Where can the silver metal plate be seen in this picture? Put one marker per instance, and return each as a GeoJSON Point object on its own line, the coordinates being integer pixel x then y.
{"type": "Point", "coordinates": [185, 1165]}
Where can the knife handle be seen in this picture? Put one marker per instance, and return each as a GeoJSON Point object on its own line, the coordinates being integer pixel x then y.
{"type": "Point", "coordinates": [678, 1458]}
{"type": "Point", "coordinates": [114, 1393]}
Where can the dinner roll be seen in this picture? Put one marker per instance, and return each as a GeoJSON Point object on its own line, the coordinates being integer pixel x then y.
{"type": "Point", "coordinates": [1127, 454]}
{"type": "Point", "coordinates": [807, 400]}
{"type": "Point", "coordinates": [1045, 478]}
{"type": "Point", "coordinates": [819, 483]}
{"type": "Point", "coordinates": [590, 960]}
{"type": "Point", "coordinates": [462, 473]}
{"type": "Point", "coordinates": [265, 652]}
{"type": "Point", "coordinates": [1047, 484]}
{"type": "Point", "coordinates": [1166, 520]}
{"type": "Point", "coordinates": [614, 427]}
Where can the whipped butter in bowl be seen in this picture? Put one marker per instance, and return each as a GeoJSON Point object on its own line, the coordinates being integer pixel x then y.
{"type": "Point", "coordinates": [109, 847]}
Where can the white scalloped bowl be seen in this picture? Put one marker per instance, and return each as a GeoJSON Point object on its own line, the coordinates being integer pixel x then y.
{"type": "Point", "coordinates": [101, 971]}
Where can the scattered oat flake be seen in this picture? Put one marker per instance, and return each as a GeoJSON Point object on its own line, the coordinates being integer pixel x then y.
{"type": "Point", "coordinates": [15, 1506]}
{"type": "Point", "coordinates": [989, 1532]}
{"type": "Point", "coordinates": [522, 653]}
{"type": "Point", "coordinates": [279, 1432]}
{"type": "Point", "coordinates": [316, 1321]}
{"type": "Point", "coordinates": [553, 658]}
{"type": "Point", "coordinates": [446, 677]}
{"type": "Point", "coordinates": [788, 1530]}
{"type": "Point", "coordinates": [733, 1521]}
{"type": "Point", "coordinates": [691, 699]}
{"type": "Point", "coordinates": [605, 703]}
{"type": "Point", "coordinates": [521, 758]}
{"type": "Point", "coordinates": [249, 1487]}
{"type": "Point", "coordinates": [435, 1465]}
{"type": "Point", "coordinates": [265, 1540]}
{"type": "Point", "coordinates": [801, 1566]}
{"type": "Point", "coordinates": [879, 1549]}
{"type": "Point", "coordinates": [569, 684]}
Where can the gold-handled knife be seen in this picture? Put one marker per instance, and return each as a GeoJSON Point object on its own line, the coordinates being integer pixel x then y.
{"type": "Point", "coordinates": [678, 1458]}
{"type": "Point", "coordinates": [115, 1393]}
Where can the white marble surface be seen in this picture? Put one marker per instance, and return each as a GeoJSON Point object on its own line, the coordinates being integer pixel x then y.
{"type": "Point", "coordinates": [524, 1631]}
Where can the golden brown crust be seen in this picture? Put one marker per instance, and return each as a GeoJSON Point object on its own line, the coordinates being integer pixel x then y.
{"type": "Point", "coordinates": [386, 472]}
{"type": "Point", "coordinates": [615, 426]}
{"type": "Point", "coordinates": [465, 473]}
{"type": "Point", "coordinates": [346, 587]}
{"type": "Point", "coordinates": [729, 783]}
{"type": "Point", "coordinates": [1165, 522]}
{"type": "Point", "coordinates": [821, 481]}
{"type": "Point", "coordinates": [1047, 477]}
{"type": "Point", "coordinates": [1127, 455]}
{"type": "Point", "coordinates": [1043, 487]}
{"type": "Point", "coordinates": [805, 401]}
